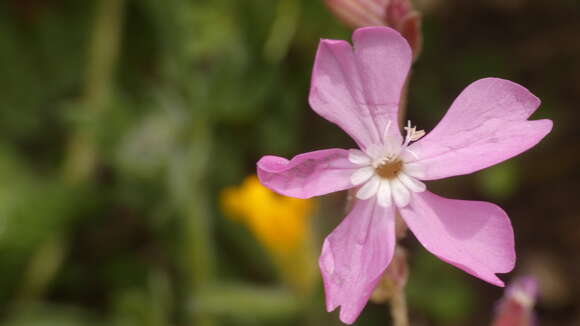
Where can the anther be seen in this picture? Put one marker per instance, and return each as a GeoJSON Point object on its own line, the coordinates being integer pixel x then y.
{"type": "Point", "coordinates": [412, 133]}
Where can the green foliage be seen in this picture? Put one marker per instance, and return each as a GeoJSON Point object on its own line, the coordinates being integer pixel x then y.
{"type": "Point", "coordinates": [439, 291]}
{"type": "Point", "coordinates": [501, 181]}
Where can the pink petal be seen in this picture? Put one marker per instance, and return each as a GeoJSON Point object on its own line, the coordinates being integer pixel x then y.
{"type": "Point", "coordinates": [360, 91]}
{"type": "Point", "coordinates": [355, 255]}
{"type": "Point", "coordinates": [486, 125]}
{"type": "Point", "coordinates": [307, 175]}
{"type": "Point", "coordinates": [474, 236]}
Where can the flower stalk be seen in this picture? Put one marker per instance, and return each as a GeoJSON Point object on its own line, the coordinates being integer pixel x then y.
{"type": "Point", "coordinates": [399, 313]}
{"type": "Point", "coordinates": [102, 58]}
{"type": "Point", "coordinates": [391, 288]}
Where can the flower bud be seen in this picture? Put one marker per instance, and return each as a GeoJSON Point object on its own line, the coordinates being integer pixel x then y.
{"type": "Point", "coordinates": [516, 307]}
{"type": "Point", "coordinates": [397, 14]}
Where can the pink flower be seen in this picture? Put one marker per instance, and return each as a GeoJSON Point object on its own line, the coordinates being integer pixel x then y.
{"type": "Point", "coordinates": [516, 307]}
{"type": "Point", "coordinates": [398, 14]}
{"type": "Point", "coordinates": [359, 89]}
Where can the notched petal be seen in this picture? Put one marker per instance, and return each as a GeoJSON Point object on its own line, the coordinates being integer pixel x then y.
{"type": "Point", "coordinates": [474, 236]}
{"type": "Point", "coordinates": [485, 125]}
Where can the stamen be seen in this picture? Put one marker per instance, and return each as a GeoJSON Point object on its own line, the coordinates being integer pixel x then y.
{"type": "Point", "coordinates": [412, 133]}
{"type": "Point", "coordinates": [417, 134]}
{"type": "Point", "coordinates": [413, 153]}
{"type": "Point", "coordinates": [388, 126]}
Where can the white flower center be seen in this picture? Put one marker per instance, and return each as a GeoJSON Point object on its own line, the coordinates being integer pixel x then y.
{"type": "Point", "coordinates": [383, 171]}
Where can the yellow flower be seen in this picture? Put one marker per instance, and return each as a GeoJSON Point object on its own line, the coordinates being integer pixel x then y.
{"type": "Point", "coordinates": [278, 222]}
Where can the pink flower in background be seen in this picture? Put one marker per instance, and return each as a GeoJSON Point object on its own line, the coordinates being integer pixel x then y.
{"type": "Point", "coordinates": [516, 307]}
{"type": "Point", "coordinates": [398, 14]}
{"type": "Point", "coordinates": [359, 89]}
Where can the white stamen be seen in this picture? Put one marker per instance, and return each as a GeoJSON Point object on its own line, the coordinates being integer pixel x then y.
{"type": "Point", "coordinates": [417, 134]}
{"type": "Point", "coordinates": [412, 153]}
{"type": "Point", "coordinates": [412, 133]}
{"type": "Point", "coordinates": [386, 133]}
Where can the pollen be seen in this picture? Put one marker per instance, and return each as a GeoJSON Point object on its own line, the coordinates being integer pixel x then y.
{"type": "Point", "coordinates": [389, 169]}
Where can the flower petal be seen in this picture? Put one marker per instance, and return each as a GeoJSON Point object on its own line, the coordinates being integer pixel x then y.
{"type": "Point", "coordinates": [358, 157]}
{"type": "Point", "coordinates": [474, 236]}
{"type": "Point", "coordinates": [413, 184]}
{"type": "Point", "coordinates": [369, 189]}
{"type": "Point", "coordinates": [307, 175]}
{"type": "Point", "coordinates": [384, 194]}
{"type": "Point", "coordinates": [401, 195]}
{"type": "Point", "coordinates": [354, 257]}
{"type": "Point", "coordinates": [486, 125]}
{"type": "Point", "coordinates": [361, 175]}
{"type": "Point", "coordinates": [360, 90]}
{"type": "Point", "coordinates": [414, 170]}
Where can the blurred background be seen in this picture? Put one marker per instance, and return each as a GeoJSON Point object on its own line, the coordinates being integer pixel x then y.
{"type": "Point", "coordinates": [129, 132]}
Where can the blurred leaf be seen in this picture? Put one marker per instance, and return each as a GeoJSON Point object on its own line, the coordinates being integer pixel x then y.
{"type": "Point", "coordinates": [148, 144]}
{"type": "Point", "coordinates": [501, 181]}
{"type": "Point", "coordinates": [283, 30]}
{"type": "Point", "coordinates": [50, 315]}
{"type": "Point", "coordinates": [437, 289]}
{"type": "Point", "coordinates": [147, 308]}
{"type": "Point", "coordinates": [247, 303]}
{"type": "Point", "coordinates": [32, 209]}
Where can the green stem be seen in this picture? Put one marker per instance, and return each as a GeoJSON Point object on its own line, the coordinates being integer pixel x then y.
{"type": "Point", "coordinates": [199, 227]}
{"type": "Point", "coordinates": [102, 58]}
{"type": "Point", "coordinates": [187, 183]}
{"type": "Point", "coordinates": [42, 269]}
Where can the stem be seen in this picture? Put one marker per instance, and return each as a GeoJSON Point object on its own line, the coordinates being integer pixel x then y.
{"type": "Point", "coordinates": [199, 248]}
{"type": "Point", "coordinates": [42, 269]}
{"type": "Point", "coordinates": [102, 57]}
{"type": "Point", "coordinates": [399, 312]}
{"type": "Point", "coordinates": [188, 170]}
